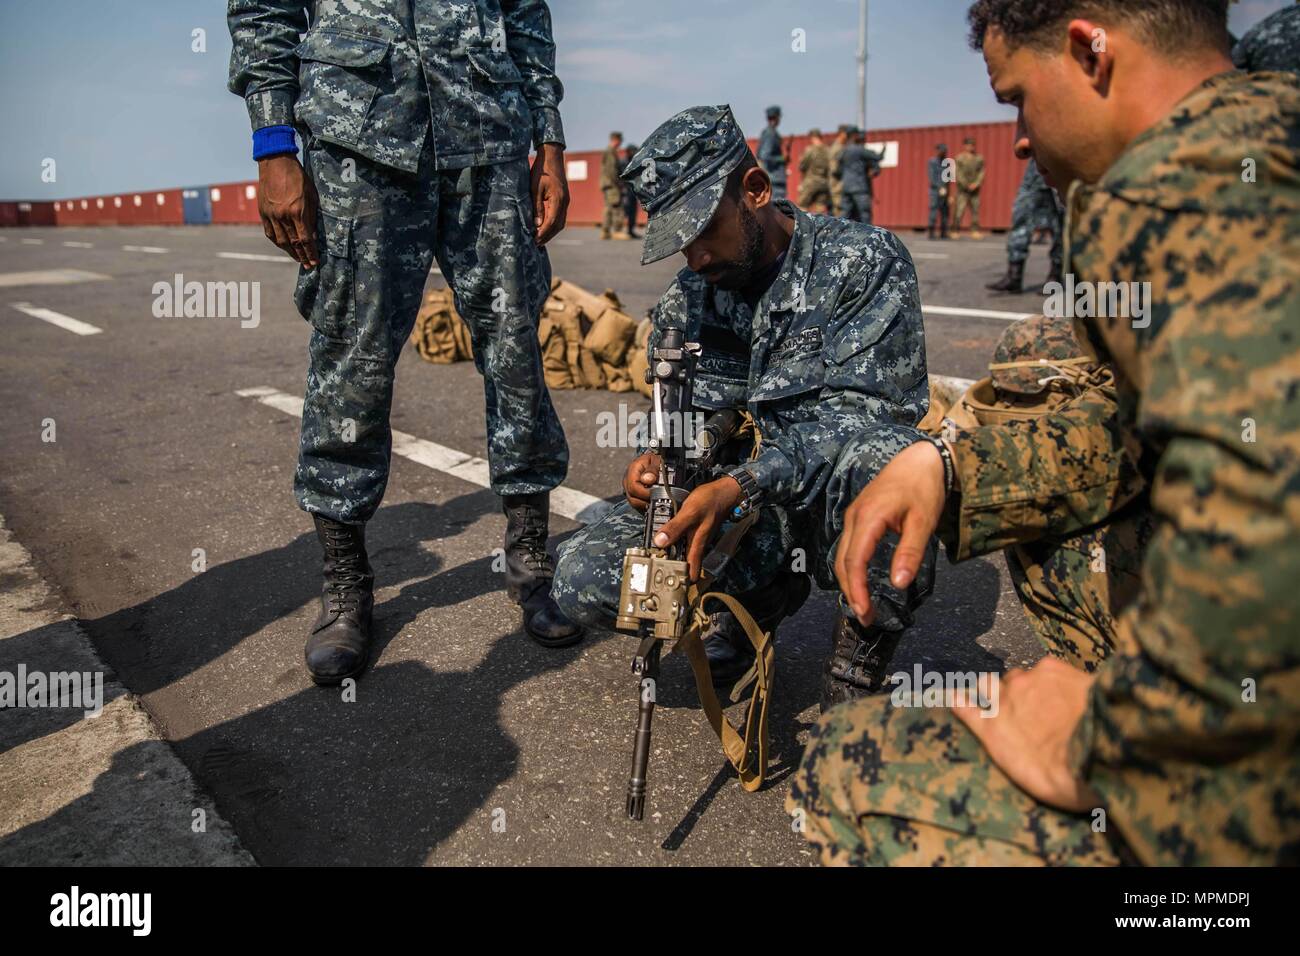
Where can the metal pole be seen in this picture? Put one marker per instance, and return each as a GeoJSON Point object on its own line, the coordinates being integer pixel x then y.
{"type": "Point", "coordinates": [862, 65]}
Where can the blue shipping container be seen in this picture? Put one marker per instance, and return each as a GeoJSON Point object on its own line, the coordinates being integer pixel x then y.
{"type": "Point", "coordinates": [198, 206]}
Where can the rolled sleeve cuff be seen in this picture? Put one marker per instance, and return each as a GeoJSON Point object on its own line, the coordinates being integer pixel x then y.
{"type": "Point", "coordinates": [955, 527]}
{"type": "Point", "coordinates": [773, 473]}
{"type": "Point", "coordinates": [271, 107]}
{"type": "Point", "coordinates": [547, 127]}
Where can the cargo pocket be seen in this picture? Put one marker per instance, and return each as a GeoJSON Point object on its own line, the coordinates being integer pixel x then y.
{"type": "Point", "coordinates": [340, 74]}
{"type": "Point", "coordinates": [324, 295]}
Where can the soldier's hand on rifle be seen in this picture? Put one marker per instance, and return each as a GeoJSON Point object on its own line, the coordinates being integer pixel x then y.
{"type": "Point", "coordinates": [703, 511]}
{"type": "Point", "coordinates": [550, 192]}
{"type": "Point", "coordinates": [640, 478]}
{"type": "Point", "coordinates": [286, 201]}
{"type": "Point", "coordinates": [907, 497]}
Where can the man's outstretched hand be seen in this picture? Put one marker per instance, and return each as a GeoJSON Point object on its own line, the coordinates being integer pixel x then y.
{"type": "Point", "coordinates": [907, 498]}
{"type": "Point", "coordinates": [1029, 735]}
{"type": "Point", "coordinates": [550, 192]}
{"type": "Point", "coordinates": [703, 511]}
{"type": "Point", "coordinates": [286, 201]}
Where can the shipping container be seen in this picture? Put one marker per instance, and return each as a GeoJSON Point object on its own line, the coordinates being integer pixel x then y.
{"type": "Point", "coordinates": [197, 206]}
{"type": "Point", "coordinates": [902, 192]}
{"type": "Point", "coordinates": [234, 203]}
{"type": "Point", "coordinates": [35, 213]}
{"type": "Point", "coordinates": [902, 197]}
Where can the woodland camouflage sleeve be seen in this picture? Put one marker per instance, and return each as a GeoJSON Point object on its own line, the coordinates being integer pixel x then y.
{"type": "Point", "coordinates": [1192, 735]}
{"type": "Point", "coordinates": [1053, 475]}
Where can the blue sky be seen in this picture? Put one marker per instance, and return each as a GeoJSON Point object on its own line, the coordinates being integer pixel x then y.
{"type": "Point", "coordinates": [114, 94]}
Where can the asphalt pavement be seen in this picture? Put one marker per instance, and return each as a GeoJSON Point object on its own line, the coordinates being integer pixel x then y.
{"type": "Point", "coordinates": [148, 466]}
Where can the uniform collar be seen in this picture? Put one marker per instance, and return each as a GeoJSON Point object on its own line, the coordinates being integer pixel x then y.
{"type": "Point", "coordinates": [791, 283]}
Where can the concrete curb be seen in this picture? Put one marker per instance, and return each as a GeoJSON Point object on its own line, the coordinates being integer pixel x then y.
{"type": "Point", "coordinates": [78, 790]}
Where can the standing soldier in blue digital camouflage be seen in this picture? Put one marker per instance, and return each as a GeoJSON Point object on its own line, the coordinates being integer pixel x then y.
{"type": "Point", "coordinates": [1036, 207]}
{"type": "Point", "coordinates": [773, 153]}
{"type": "Point", "coordinates": [936, 173]}
{"type": "Point", "coordinates": [631, 208]}
{"type": "Point", "coordinates": [1171, 739]}
{"type": "Point", "coordinates": [812, 326]}
{"type": "Point", "coordinates": [416, 118]}
{"type": "Point", "coordinates": [858, 167]}
{"type": "Point", "coordinates": [1272, 44]}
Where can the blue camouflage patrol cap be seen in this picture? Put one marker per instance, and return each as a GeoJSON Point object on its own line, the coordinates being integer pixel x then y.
{"type": "Point", "coordinates": [680, 173]}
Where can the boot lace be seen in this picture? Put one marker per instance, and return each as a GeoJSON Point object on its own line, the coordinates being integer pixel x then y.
{"type": "Point", "coordinates": [347, 575]}
{"type": "Point", "coordinates": [532, 540]}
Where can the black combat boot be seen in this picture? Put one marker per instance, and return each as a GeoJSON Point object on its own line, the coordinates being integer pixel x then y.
{"type": "Point", "coordinates": [340, 641]}
{"type": "Point", "coordinates": [1013, 282]}
{"type": "Point", "coordinates": [529, 570]}
{"type": "Point", "coordinates": [859, 658]}
{"type": "Point", "coordinates": [727, 646]}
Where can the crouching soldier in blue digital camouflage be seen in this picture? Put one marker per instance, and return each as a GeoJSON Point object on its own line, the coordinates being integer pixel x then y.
{"type": "Point", "coordinates": [416, 118]}
{"type": "Point", "coordinates": [811, 325]}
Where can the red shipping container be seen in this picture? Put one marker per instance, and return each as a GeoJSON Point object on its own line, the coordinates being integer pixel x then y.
{"type": "Point", "coordinates": [902, 191]}
{"type": "Point", "coordinates": [234, 203]}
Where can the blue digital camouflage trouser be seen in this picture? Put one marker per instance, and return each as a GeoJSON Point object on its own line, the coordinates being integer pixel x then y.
{"type": "Point", "coordinates": [857, 206]}
{"type": "Point", "coordinates": [1035, 209]}
{"type": "Point", "coordinates": [378, 231]}
{"type": "Point", "coordinates": [588, 573]}
{"type": "Point", "coordinates": [938, 212]}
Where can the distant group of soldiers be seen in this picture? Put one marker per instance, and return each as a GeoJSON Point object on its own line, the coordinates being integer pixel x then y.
{"type": "Point", "coordinates": [835, 179]}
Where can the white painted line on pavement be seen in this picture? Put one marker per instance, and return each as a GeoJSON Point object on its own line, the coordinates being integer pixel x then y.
{"type": "Point", "coordinates": [56, 318]}
{"type": "Point", "coordinates": [156, 250]}
{"type": "Point", "coordinates": [976, 313]}
{"type": "Point", "coordinates": [33, 242]}
{"type": "Point", "coordinates": [49, 277]}
{"type": "Point", "coordinates": [575, 505]}
{"type": "Point", "coordinates": [80, 245]}
{"type": "Point", "coordinates": [265, 257]}
{"type": "Point", "coordinates": [255, 257]}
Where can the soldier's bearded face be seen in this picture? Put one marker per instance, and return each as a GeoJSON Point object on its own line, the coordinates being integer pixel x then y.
{"type": "Point", "coordinates": [1063, 117]}
{"type": "Point", "coordinates": [727, 253]}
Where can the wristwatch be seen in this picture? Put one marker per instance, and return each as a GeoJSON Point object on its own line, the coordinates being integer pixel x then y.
{"type": "Point", "coordinates": [749, 491]}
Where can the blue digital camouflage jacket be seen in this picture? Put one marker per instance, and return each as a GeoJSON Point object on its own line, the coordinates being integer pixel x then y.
{"type": "Point", "coordinates": [833, 350]}
{"type": "Point", "coordinates": [378, 76]}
